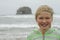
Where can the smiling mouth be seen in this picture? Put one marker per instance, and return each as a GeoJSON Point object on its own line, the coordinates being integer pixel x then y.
{"type": "Point", "coordinates": [44, 25]}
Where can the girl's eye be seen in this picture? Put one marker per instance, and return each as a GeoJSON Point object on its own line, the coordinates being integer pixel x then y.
{"type": "Point", "coordinates": [47, 18]}
{"type": "Point", "coordinates": [40, 17]}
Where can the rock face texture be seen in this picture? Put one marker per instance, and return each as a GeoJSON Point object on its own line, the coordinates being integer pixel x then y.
{"type": "Point", "coordinates": [24, 10]}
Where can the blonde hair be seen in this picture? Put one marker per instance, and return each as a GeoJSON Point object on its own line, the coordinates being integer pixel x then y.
{"type": "Point", "coordinates": [44, 8]}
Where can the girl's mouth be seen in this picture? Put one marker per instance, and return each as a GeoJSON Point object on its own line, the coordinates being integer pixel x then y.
{"type": "Point", "coordinates": [44, 25]}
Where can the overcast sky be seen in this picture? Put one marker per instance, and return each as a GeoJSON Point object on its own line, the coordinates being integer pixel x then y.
{"type": "Point", "coordinates": [9, 7]}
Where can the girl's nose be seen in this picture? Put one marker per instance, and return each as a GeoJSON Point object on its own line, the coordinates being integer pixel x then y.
{"type": "Point", "coordinates": [44, 20]}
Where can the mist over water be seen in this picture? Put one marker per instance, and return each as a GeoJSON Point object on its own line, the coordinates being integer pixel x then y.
{"type": "Point", "coordinates": [23, 20]}
{"type": "Point", "coordinates": [18, 27]}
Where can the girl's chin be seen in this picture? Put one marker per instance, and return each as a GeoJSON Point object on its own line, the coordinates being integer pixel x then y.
{"type": "Point", "coordinates": [43, 26]}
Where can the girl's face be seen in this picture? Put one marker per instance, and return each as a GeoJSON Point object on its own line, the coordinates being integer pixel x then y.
{"type": "Point", "coordinates": [44, 20]}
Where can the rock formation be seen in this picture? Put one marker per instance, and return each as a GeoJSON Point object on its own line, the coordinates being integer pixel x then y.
{"type": "Point", "coordinates": [24, 10]}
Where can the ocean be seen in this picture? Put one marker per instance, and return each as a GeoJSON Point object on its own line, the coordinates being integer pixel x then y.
{"type": "Point", "coordinates": [19, 26]}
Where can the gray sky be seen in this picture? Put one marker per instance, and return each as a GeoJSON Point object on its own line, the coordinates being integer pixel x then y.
{"type": "Point", "coordinates": [9, 7]}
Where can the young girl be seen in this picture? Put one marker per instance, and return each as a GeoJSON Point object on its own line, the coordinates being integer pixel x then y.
{"type": "Point", "coordinates": [44, 18]}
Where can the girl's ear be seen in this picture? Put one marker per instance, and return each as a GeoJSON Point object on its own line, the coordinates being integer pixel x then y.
{"type": "Point", "coordinates": [52, 19]}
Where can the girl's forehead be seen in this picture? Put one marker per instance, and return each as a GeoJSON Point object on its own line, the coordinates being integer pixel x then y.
{"type": "Point", "coordinates": [44, 14]}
